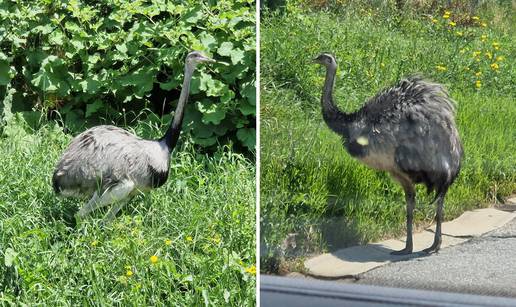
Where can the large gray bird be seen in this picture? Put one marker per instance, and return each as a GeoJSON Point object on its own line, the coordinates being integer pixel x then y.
{"type": "Point", "coordinates": [110, 165]}
{"type": "Point", "coordinates": [407, 130]}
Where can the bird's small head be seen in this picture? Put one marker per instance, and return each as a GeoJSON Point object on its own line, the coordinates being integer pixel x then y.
{"type": "Point", "coordinates": [325, 59]}
{"type": "Point", "coordinates": [195, 57]}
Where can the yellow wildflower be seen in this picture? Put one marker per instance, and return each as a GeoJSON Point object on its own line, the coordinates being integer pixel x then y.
{"type": "Point", "coordinates": [478, 73]}
{"type": "Point", "coordinates": [129, 273]}
{"type": "Point", "coordinates": [489, 55]}
{"type": "Point", "coordinates": [154, 259]}
{"type": "Point", "coordinates": [189, 239]}
{"type": "Point", "coordinates": [483, 24]}
{"type": "Point", "coordinates": [494, 66]}
{"type": "Point", "coordinates": [459, 33]}
{"type": "Point", "coordinates": [496, 45]}
{"type": "Point", "coordinates": [94, 243]}
{"type": "Point", "coordinates": [478, 84]}
{"type": "Point", "coordinates": [440, 68]}
{"type": "Point", "coordinates": [476, 53]}
{"type": "Point", "coordinates": [500, 58]}
{"type": "Point", "coordinates": [251, 270]}
{"type": "Point", "coordinates": [168, 242]}
{"type": "Point", "coordinates": [451, 23]}
{"type": "Point", "coordinates": [434, 20]}
{"type": "Point", "coordinates": [476, 18]}
{"type": "Point", "coordinates": [446, 14]}
{"type": "Point", "coordinates": [483, 37]}
{"type": "Point", "coordinates": [216, 239]}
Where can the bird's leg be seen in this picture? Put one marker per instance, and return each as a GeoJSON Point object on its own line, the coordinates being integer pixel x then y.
{"type": "Point", "coordinates": [110, 216]}
{"type": "Point", "coordinates": [438, 218]}
{"type": "Point", "coordinates": [88, 207]}
{"type": "Point", "coordinates": [113, 194]}
{"type": "Point", "coordinates": [410, 198]}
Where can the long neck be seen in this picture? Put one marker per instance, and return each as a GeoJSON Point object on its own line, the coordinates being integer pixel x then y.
{"type": "Point", "coordinates": [337, 120]}
{"type": "Point", "coordinates": [172, 135]}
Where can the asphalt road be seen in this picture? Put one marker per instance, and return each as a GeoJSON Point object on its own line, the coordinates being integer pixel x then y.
{"type": "Point", "coordinates": [484, 265]}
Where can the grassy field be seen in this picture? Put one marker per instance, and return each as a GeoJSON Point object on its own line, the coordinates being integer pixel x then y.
{"type": "Point", "coordinates": [315, 197]}
{"type": "Point", "coordinates": [190, 242]}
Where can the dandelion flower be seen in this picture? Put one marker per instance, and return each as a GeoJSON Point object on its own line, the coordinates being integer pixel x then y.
{"type": "Point", "coordinates": [434, 20]}
{"type": "Point", "coordinates": [483, 37]}
{"type": "Point", "coordinates": [154, 259]}
{"type": "Point", "coordinates": [495, 66]}
{"type": "Point", "coordinates": [478, 84]}
{"type": "Point", "coordinates": [500, 58]}
{"type": "Point", "coordinates": [475, 18]}
{"type": "Point", "coordinates": [129, 273]}
{"type": "Point", "coordinates": [251, 270]}
{"type": "Point", "coordinates": [446, 14]}
{"type": "Point", "coordinates": [478, 73]}
{"type": "Point", "coordinates": [440, 68]}
{"type": "Point", "coordinates": [168, 242]}
{"type": "Point", "coordinates": [216, 239]}
{"type": "Point", "coordinates": [477, 53]}
{"type": "Point", "coordinates": [451, 23]}
{"type": "Point", "coordinates": [459, 33]}
{"type": "Point", "coordinates": [94, 243]}
{"type": "Point", "coordinates": [496, 45]}
{"type": "Point", "coordinates": [483, 24]}
{"type": "Point", "coordinates": [489, 55]}
{"type": "Point", "coordinates": [189, 239]}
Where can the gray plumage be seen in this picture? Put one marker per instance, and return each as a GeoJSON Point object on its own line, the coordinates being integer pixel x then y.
{"type": "Point", "coordinates": [110, 165]}
{"type": "Point", "coordinates": [407, 130]}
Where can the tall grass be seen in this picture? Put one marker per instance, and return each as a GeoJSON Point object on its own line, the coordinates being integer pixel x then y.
{"type": "Point", "coordinates": [190, 242]}
{"type": "Point", "coordinates": [315, 192]}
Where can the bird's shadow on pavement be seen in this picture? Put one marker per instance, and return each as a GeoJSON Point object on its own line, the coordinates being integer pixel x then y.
{"type": "Point", "coordinates": [373, 253]}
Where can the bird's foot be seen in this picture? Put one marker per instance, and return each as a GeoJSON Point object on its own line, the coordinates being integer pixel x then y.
{"type": "Point", "coordinates": [434, 248]}
{"type": "Point", "coordinates": [404, 251]}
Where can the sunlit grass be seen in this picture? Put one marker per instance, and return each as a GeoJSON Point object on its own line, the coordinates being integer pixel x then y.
{"type": "Point", "coordinates": [310, 186]}
{"type": "Point", "coordinates": [190, 242]}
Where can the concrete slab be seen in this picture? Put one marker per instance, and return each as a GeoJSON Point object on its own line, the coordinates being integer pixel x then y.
{"type": "Point", "coordinates": [348, 262]}
{"type": "Point", "coordinates": [351, 261]}
{"type": "Point", "coordinates": [475, 223]}
{"type": "Point", "coordinates": [355, 260]}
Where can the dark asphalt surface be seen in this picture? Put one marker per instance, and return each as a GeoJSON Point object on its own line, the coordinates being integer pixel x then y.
{"type": "Point", "coordinates": [484, 265]}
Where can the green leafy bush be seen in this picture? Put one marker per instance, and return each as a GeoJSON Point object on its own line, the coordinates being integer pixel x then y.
{"type": "Point", "coordinates": [106, 61]}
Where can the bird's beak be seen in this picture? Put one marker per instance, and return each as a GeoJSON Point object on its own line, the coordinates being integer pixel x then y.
{"type": "Point", "coordinates": [315, 61]}
{"type": "Point", "coordinates": [208, 60]}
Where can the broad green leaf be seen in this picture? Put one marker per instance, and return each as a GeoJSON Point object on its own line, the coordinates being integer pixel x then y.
{"type": "Point", "coordinates": [93, 107]}
{"type": "Point", "coordinates": [208, 40]}
{"type": "Point", "coordinates": [90, 85]}
{"type": "Point", "coordinates": [248, 137]}
{"type": "Point", "coordinates": [6, 72]}
{"type": "Point", "coordinates": [237, 55]}
{"type": "Point", "coordinates": [194, 15]}
{"type": "Point", "coordinates": [246, 108]}
{"type": "Point", "coordinates": [56, 37]}
{"type": "Point", "coordinates": [225, 49]}
{"type": "Point", "coordinates": [211, 112]}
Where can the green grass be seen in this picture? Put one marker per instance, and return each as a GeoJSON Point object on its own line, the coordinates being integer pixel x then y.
{"type": "Point", "coordinates": [310, 186]}
{"type": "Point", "coordinates": [200, 225]}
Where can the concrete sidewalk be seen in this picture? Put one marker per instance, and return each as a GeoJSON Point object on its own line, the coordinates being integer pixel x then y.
{"type": "Point", "coordinates": [351, 261]}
